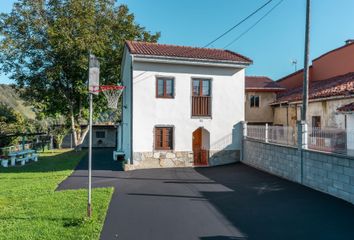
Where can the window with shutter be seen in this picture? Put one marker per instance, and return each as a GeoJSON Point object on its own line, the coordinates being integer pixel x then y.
{"type": "Point", "coordinates": [163, 138]}
{"type": "Point", "coordinates": [201, 97]}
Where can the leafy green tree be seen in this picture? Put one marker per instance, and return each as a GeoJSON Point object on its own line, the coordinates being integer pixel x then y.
{"type": "Point", "coordinates": [11, 122]}
{"type": "Point", "coordinates": [45, 46]}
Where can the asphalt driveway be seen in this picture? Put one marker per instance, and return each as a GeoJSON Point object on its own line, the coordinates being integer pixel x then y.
{"type": "Point", "coordinates": [219, 203]}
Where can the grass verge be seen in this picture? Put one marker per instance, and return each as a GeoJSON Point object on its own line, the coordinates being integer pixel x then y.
{"type": "Point", "coordinates": [30, 208]}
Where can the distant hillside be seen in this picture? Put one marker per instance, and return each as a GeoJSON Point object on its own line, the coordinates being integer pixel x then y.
{"type": "Point", "coordinates": [10, 97]}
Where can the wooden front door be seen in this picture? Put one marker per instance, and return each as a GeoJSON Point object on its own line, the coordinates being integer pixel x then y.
{"type": "Point", "coordinates": [200, 155]}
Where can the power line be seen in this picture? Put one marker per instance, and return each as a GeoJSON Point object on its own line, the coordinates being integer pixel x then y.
{"type": "Point", "coordinates": [239, 23]}
{"type": "Point", "coordinates": [259, 20]}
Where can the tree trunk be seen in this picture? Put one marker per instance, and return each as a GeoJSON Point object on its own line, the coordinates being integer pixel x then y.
{"type": "Point", "coordinates": [73, 130]}
{"type": "Point", "coordinates": [79, 134]}
{"type": "Point", "coordinates": [83, 135]}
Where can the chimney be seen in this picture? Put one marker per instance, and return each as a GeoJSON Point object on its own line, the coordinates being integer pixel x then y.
{"type": "Point", "coordinates": [349, 41]}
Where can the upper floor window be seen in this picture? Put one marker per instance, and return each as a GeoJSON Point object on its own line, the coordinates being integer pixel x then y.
{"type": "Point", "coordinates": [201, 87]}
{"type": "Point", "coordinates": [254, 101]}
{"type": "Point", "coordinates": [201, 97]}
{"type": "Point", "coordinates": [164, 87]}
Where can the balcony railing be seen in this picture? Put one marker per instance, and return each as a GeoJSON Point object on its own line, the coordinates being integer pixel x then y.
{"type": "Point", "coordinates": [201, 106]}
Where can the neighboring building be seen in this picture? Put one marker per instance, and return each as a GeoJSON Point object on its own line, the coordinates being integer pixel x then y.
{"type": "Point", "coordinates": [260, 93]}
{"type": "Point", "coordinates": [331, 64]}
{"type": "Point", "coordinates": [331, 86]}
{"type": "Point", "coordinates": [182, 106]}
{"type": "Point", "coordinates": [348, 111]}
{"type": "Point", "coordinates": [103, 136]}
{"type": "Point", "coordinates": [325, 97]}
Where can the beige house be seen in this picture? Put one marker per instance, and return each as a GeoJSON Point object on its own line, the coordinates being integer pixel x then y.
{"type": "Point", "coordinates": [260, 93]}
{"type": "Point", "coordinates": [325, 97]}
{"type": "Point", "coordinates": [331, 86]}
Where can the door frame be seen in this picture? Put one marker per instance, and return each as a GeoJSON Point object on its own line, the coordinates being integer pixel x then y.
{"type": "Point", "coordinates": [200, 155]}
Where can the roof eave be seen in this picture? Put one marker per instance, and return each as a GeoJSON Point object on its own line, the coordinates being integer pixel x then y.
{"type": "Point", "coordinates": [318, 99]}
{"type": "Point", "coordinates": [345, 112]}
{"type": "Point", "coordinates": [190, 61]}
{"type": "Point", "coordinates": [278, 103]}
{"type": "Point", "coordinates": [265, 89]}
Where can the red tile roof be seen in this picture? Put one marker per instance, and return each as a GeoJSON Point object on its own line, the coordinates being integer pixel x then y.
{"type": "Point", "coordinates": [337, 86]}
{"type": "Point", "coordinates": [261, 83]}
{"type": "Point", "coordinates": [164, 50]}
{"type": "Point", "coordinates": [346, 108]}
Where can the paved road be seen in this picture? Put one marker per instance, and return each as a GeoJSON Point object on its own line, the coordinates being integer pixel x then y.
{"type": "Point", "coordinates": [219, 203]}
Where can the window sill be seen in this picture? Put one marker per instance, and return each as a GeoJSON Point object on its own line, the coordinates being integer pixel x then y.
{"type": "Point", "coordinates": [164, 150]}
{"type": "Point", "coordinates": [201, 117]}
{"type": "Point", "coordinates": [165, 97]}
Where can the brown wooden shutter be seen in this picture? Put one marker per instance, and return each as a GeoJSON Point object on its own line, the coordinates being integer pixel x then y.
{"type": "Point", "coordinates": [165, 137]}
{"type": "Point", "coordinates": [158, 138]}
{"type": "Point", "coordinates": [170, 138]}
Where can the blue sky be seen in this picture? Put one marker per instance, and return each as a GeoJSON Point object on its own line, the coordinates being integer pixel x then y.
{"type": "Point", "coordinates": [272, 44]}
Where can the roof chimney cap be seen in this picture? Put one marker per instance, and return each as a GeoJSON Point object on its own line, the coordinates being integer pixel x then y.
{"type": "Point", "coordinates": [349, 41]}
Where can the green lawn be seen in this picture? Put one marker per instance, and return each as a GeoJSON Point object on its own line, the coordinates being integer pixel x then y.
{"type": "Point", "coordinates": [31, 209]}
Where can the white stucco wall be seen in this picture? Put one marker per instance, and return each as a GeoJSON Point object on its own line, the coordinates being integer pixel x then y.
{"type": "Point", "coordinates": [227, 89]}
{"type": "Point", "coordinates": [350, 132]}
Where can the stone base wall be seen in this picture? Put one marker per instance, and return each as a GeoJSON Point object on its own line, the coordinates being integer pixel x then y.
{"type": "Point", "coordinates": [161, 160]}
{"type": "Point", "coordinates": [217, 157]}
{"type": "Point", "coordinates": [168, 159]}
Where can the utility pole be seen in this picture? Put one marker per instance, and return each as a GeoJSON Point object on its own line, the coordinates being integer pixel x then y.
{"type": "Point", "coordinates": [302, 134]}
{"type": "Point", "coordinates": [305, 98]}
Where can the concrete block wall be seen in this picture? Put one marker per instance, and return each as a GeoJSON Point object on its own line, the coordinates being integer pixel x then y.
{"type": "Point", "coordinates": [278, 160]}
{"type": "Point", "coordinates": [330, 173]}
{"type": "Point", "coordinates": [326, 172]}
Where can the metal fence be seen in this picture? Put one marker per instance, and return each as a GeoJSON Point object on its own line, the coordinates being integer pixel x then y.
{"type": "Point", "coordinates": [273, 134]}
{"type": "Point", "coordinates": [331, 140]}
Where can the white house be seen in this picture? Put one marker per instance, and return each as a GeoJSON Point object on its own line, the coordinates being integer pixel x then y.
{"type": "Point", "coordinates": [348, 111]}
{"type": "Point", "coordinates": [182, 106]}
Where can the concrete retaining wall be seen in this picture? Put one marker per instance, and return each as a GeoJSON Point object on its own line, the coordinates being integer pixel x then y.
{"type": "Point", "coordinates": [329, 173]}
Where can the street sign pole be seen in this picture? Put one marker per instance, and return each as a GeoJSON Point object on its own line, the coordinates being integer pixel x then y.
{"type": "Point", "coordinates": [89, 206]}
{"type": "Point", "coordinates": [93, 83]}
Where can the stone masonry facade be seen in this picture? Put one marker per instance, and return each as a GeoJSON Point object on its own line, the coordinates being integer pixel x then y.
{"type": "Point", "coordinates": [161, 159]}
{"type": "Point", "coordinates": [326, 172]}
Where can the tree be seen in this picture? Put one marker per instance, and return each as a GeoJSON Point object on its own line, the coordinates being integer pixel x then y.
{"type": "Point", "coordinates": [11, 122]}
{"type": "Point", "coordinates": [45, 47]}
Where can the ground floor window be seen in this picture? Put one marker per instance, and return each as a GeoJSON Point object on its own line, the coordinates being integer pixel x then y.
{"type": "Point", "coordinates": [100, 134]}
{"type": "Point", "coordinates": [316, 121]}
{"type": "Point", "coordinates": [163, 138]}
